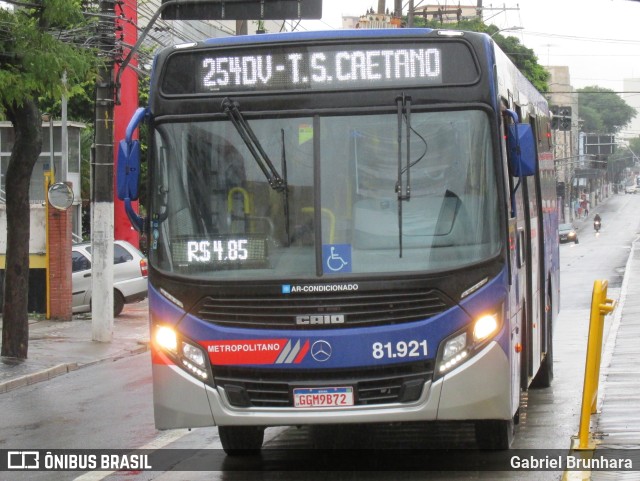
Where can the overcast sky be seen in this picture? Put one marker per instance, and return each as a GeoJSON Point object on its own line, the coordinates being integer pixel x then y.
{"type": "Point", "coordinates": [598, 39]}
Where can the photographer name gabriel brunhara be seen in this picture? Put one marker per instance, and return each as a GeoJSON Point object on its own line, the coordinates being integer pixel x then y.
{"type": "Point", "coordinates": [587, 461]}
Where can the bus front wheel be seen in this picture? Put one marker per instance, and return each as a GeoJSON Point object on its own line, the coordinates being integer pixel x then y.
{"type": "Point", "coordinates": [496, 434]}
{"type": "Point", "coordinates": [241, 440]}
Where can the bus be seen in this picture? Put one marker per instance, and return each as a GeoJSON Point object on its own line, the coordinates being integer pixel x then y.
{"type": "Point", "coordinates": [345, 227]}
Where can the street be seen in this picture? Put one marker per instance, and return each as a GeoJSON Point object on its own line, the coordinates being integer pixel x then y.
{"type": "Point", "coordinates": [109, 405]}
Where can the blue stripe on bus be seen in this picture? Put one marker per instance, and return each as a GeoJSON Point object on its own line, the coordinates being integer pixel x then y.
{"type": "Point", "coordinates": [350, 347]}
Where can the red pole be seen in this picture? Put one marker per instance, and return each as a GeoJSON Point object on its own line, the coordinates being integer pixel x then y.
{"type": "Point", "coordinates": [127, 18]}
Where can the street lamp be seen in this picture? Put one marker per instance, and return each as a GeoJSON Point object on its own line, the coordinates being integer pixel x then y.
{"type": "Point", "coordinates": [506, 29]}
{"type": "Point", "coordinates": [635, 156]}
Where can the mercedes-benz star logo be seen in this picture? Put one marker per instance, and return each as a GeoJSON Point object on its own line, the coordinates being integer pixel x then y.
{"type": "Point", "coordinates": [321, 351]}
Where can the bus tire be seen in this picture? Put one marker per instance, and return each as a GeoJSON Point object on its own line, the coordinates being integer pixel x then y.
{"type": "Point", "coordinates": [494, 434]}
{"type": "Point", "coordinates": [241, 440]}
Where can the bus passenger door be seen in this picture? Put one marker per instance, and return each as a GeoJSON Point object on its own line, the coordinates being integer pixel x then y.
{"type": "Point", "coordinates": [532, 262]}
{"type": "Point", "coordinates": [528, 272]}
{"type": "Point", "coordinates": [521, 290]}
{"type": "Point", "coordinates": [520, 326]}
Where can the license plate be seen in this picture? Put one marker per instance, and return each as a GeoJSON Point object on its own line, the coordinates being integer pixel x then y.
{"type": "Point", "coordinates": [322, 397]}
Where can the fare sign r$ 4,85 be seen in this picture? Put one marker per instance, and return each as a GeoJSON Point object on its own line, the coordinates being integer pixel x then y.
{"type": "Point", "coordinates": [321, 69]}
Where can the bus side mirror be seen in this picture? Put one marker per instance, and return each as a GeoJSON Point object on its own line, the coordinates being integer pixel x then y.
{"type": "Point", "coordinates": [521, 150]}
{"type": "Point", "coordinates": [128, 173]}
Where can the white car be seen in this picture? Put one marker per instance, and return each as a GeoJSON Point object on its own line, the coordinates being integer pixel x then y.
{"type": "Point", "coordinates": [630, 189]}
{"type": "Point", "coordinates": [129, 276]}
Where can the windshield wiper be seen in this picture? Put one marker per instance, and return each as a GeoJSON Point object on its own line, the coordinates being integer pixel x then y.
{"type": "Point", "coordinates": [285, 190]}
{"type": "Point", "coordinates": [404, 194]}
{"type": "Point", "coordinates": [232, 110]}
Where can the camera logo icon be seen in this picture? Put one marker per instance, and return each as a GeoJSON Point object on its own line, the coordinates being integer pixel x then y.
{"type": "Point", "coordinates": [23, 460]}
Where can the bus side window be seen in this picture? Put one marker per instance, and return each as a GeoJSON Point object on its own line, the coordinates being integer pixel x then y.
{"type": "Point", "coordinates": [504, 125]}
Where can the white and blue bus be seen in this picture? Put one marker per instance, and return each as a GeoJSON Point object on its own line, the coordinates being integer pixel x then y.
{"type": "Point", "coordinates": [346, 227]}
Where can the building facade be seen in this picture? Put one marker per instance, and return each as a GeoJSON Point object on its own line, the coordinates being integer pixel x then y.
{"type": "Point", "coordinates": [51, 161]}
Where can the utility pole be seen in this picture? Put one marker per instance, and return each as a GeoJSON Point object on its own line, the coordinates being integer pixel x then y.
{"type": "Point", "coordinates": [242, 27]}
{"type": "Point", "coordinates": [410, 14]}
{"type": "Point", "coordinates": [102, 184]}
{"type": "Point", "coordinates": [64, 141]}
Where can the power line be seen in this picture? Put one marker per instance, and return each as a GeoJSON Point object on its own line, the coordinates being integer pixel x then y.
{"type": "Point", "coordinates": [592, 92]}
{"type": "Point", "coordinates": [581, 39]}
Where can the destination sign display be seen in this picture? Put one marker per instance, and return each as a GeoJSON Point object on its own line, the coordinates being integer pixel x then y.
{"type": "Point", "coordinates": [223, 251]}
{"type": "Point", "coordinates": [286, 68]}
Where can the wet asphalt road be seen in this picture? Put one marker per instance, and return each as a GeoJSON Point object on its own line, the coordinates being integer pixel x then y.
{"type": "Point", "coordinates": [109, 405]}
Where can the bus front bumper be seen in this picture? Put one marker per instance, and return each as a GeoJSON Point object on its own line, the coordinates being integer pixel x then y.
{"type": "Point", "coordinates": [478, 389]}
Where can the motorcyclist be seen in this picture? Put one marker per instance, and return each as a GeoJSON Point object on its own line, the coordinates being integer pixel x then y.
{"type": "Point", "coordinates": [597, 222]}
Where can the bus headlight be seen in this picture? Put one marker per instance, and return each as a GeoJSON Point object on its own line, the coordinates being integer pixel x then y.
{"type": "Point", "coordinates": [167, 339]}
{"type": "Point", "coordinates": [455, 351]}
{"type": "Point", "coordinates": [464, 344]}
{"type": "Point", "coordinates": [190, 357]}
{"type": "Point", "coordinates": [485, 327]}
{"type": "Point", "coordinates": [194, 360]}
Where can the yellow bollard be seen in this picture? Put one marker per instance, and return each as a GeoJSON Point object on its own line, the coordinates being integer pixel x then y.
{"type": "Point", "coordinates": [600, 307]}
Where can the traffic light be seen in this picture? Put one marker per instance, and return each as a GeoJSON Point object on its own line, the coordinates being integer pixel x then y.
{"type": "Point", "coordinates": [560, 117]}
{"type": "Point", "coordinates": [564, 118]}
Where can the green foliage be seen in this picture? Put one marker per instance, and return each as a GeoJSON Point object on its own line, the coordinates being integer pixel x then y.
{"type": "Point", "coordinates": [618, 163]}
{"type": "Point", "coordinates": [603, 111]}
{"type": "Point", "coordinates": [592, 120]}
{"type": "Point", "coordinates": [80, 103]}
{"type": "Point", "coordinates": [62, 13]}
{"type": "Point", "coordinates": [37, 51]}
{"type": "Point", "coordinates": [524, 58]}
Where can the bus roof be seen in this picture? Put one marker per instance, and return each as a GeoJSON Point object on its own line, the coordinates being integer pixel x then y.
{"type": "Point", "coordinates": [331, 35]}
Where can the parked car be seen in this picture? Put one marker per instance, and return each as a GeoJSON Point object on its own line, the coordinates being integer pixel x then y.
{"type": "Point", "coordinates": [567, 233]}
{"type": "Point", "coordinates": [630, 189]}
{"type": "Point", "coordinates": [129, 276]}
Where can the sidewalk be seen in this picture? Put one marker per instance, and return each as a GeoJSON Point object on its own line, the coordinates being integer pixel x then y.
{"type": "Point", "coordinates": [57, 347]}
{"type": "Point", "coordinates": [617, 424]}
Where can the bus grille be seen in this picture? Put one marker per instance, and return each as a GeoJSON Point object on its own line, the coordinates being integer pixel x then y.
{"type": "Point", "coordinates": [359, 309]}
{"type": "Point", "coordinates": [270, 388]}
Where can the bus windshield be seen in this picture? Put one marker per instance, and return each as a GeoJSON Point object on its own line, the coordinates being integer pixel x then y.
{"type": "Point", "coordinates": [215, 214]}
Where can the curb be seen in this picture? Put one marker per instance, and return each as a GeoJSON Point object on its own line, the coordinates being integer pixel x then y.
{"type": "Point", "coordinates": [64, 368]}
{"type": "Point", "coordinates": [43, 375]}
{"type": "Point", "coordinates": [141, 347]}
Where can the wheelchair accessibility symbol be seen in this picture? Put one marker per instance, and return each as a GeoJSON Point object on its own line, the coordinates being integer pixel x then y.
{"type": "Point", "coordinates": [337, 258]}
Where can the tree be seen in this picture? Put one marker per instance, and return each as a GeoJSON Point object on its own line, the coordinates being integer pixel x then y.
{"type": "Point", "coordinates": [36, 45]}
{"type": "Point", "coordinates": [524, 58]}
{"type": "Point", "coordinates": [620, 163]}
{"type": "Point", "coordinates": [634, 146]}
{"type": "Point", "coordinates": [603, 111]}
